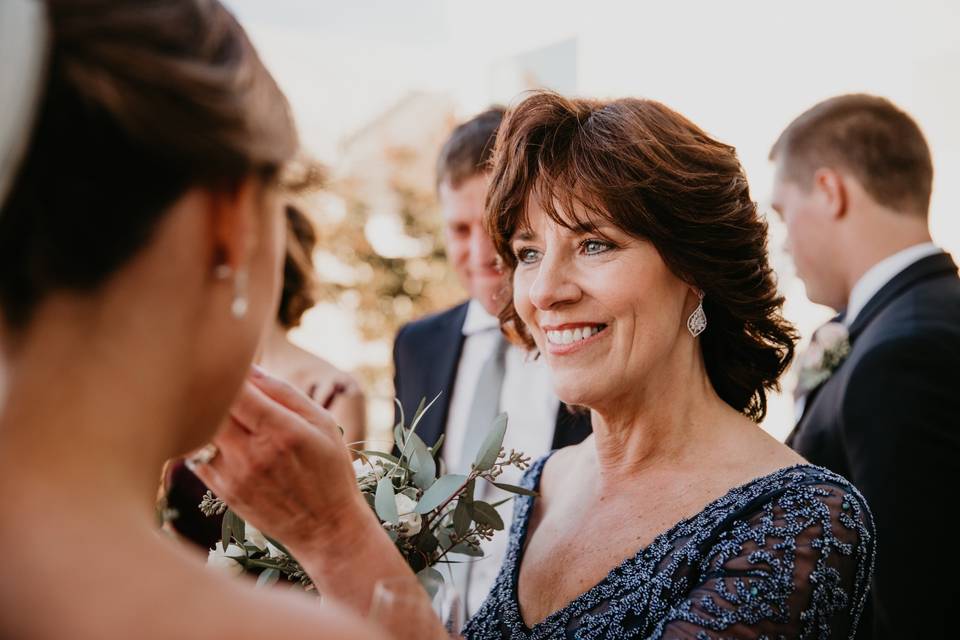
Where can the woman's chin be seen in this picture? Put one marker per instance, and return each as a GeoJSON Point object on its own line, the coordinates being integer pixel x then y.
{"type": "Point", "coordinates": [574, 392]}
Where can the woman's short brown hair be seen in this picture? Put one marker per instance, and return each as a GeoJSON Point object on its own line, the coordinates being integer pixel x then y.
{"type": "Point", "coordinates": [654, 174]}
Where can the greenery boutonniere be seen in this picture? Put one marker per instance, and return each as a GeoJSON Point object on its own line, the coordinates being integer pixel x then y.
{"type": "Point", "coordinates": [827, 351]}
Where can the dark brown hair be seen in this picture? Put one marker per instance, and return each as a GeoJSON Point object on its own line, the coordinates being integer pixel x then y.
{"type": "Point", "coordinates": [468, 150]}
{"type": "Point", "coordinates": [299, 278]}
{"type": "Point", "coordinates": [142, 101]}
{"type": "Point", "coordinates": [867, 136]}
{"type": "Point", "coordinates": [654, 174]}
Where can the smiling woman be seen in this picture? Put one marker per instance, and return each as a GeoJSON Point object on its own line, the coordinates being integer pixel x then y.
{"type": "Point", "coordinates": [640, 275]}
{"type": "Point", "coordinates": [638, 171]}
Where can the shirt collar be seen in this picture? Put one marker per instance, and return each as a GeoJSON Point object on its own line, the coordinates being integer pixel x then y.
{"type": "Point", "coordinates": [880, 274]}
{"type": "Point", "coordinates": [478, 320]}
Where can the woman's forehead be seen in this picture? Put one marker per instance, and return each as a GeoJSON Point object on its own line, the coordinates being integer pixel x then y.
{"type": "Point", "coordinates": [571, 214]}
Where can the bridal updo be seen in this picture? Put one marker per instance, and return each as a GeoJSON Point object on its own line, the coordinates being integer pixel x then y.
{"type": "Point", "coordinates": [655, 175]}
{"type": "Point", "coordinates": [141, 101]}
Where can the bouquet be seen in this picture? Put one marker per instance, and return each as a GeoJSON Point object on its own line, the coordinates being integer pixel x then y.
{"type": "Point", "coordinates": [430, 515]}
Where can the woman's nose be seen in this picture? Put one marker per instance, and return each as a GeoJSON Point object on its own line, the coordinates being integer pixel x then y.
{"type": "Point", "coordinates": [555, 284]}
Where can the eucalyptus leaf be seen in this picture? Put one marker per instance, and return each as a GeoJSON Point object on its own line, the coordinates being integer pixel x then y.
{"type": "Point", "coordinates": [432, 580]}
{"type": "Point", "coordinates": [385, 502]}
{"type": "Point", "coordinates": [468, 550]}
{"type": "Point", "coordinates": [278, 546]}
{"type": "Point", "coordinates": [443, 537]}
{"type": "Point", "coordinates": [514, 489]}
{"type": "Point", "coordinates": [439, 492]}
{"type": "Point", "coordinates": [400, 439]}
{"type": "Point", "coordinates": [238, 528]}
{"type": "Point", "coordinates": [225, 529]}
{"type": "Point", "coordinates": [421, 410]}
{"type": "Point", "coordinates": [418, 412]}
{"type": "Point", "coordinates": [461, 518]}
{"type": "Point", "coordinates": [485, 513]}
{"type": "Point", "coordinates": [468, 491]}
{"type": "Point", "coordinates": [490, 449]}
{"type": "Point", "coordinates": [402, 421]}
{"type": "Point", "coordinates": [435, 449]}
{"type": "Point", "coordinates": [422, 464]}
{"type": "Point", "coordinates": [267, 577]}
{"type": "Point", "coordinates": [427, 542]}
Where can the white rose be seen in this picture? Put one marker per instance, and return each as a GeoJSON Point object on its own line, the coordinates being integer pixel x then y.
{"type": "Point", "coordinates": [255, 537]}
{"type": "Point", "coordinates": [409, 521]}
{"type": "Point", "coordinates": [225, 560]}
{"type": "Point", "coordinates": [362, 467]}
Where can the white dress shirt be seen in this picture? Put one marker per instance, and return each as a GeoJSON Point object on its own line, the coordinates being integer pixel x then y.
{"type": "Point", "coordinates": [880, 274]}
{"type": "Point", "coordinates": [528, 399]}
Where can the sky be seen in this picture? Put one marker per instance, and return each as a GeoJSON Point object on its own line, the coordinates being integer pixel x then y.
{"type": "Point", "coordinates": [742, 70]}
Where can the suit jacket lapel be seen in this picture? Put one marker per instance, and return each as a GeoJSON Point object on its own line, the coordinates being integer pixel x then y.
{"type": "Point", "coordinates": [441, 357]}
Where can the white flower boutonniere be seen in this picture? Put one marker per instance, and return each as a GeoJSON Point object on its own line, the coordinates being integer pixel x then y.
{"type": "Point", "coordinates": [827, 351]}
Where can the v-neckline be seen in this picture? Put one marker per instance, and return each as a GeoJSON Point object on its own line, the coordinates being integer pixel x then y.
{"type": "Point", "coordinates": [524, 528]}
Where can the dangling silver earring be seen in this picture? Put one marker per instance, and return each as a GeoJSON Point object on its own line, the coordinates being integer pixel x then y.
{"type": "Point", "coordinates": [697, 321]}
{"type": "Point", "coordinates": [239, 305]}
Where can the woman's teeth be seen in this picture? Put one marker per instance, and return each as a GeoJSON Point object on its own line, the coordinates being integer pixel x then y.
{"type": "Point", "coordinates": [569, 336]}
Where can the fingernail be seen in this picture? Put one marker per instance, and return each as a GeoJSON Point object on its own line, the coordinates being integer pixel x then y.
{"type": "Point", "coordinates": [190, 464]}
{"type": "Point", "coordinates": [256, 371]}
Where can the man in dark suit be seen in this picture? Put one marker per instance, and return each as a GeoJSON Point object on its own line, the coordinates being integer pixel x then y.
{"type": "Point", "coordinates": [461, 354]}
{"type": "Point", "coordinates": [853, 181]}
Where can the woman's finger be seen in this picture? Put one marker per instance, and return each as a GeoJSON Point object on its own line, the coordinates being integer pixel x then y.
{"type": "Point", "coordinates": [290, 397]}
{"type": "Point", "coordinates": [256, 411]}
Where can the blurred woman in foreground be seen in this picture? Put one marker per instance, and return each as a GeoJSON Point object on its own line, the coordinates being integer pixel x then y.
{"type": "Point", "coordinates": [141, 240]}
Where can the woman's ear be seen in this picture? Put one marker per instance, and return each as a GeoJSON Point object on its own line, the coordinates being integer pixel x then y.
{"type": "Point", "coordinates": [233, 224]}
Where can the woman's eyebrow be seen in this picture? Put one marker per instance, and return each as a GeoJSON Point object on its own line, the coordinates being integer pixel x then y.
{"type": "Point", "coordinates": [524, 235]}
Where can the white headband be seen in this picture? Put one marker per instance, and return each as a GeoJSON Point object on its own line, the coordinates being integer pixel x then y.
{"type": "Point", "coordinates": [23, 48]}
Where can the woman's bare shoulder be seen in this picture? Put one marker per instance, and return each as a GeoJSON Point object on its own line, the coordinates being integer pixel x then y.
{"type": "Point", "coordinates": [306, 370]}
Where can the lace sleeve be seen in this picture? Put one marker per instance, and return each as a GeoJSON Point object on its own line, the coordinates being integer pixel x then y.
{"type": "Point", "coordinates": [798, 566]}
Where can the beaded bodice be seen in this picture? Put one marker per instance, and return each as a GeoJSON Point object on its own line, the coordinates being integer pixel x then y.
{"type": "Point", "coordinates": [787, 555]}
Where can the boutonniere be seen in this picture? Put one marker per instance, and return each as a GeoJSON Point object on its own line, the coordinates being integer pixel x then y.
{"type": "Point", "coordinates": [828, 349]}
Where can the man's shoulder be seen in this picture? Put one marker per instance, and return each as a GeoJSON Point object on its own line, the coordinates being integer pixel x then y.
{"type": "Point", "coordinates": [926, 310]}
{"type": "Point", "coordinates": [427, 327]}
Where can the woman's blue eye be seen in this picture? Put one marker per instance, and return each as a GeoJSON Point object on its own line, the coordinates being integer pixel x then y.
{"type": "Point", "coordinates": [527, 256]}
{"type": "Point", "coordinates": [593, 247]}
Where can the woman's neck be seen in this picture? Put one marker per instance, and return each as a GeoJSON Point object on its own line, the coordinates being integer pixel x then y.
{"type": "Point", "coordinates": [660, 422]}
{"type": "Point", "coordinates": [276, 350]}
{"type": "Point", "coordinates": [88, 413]}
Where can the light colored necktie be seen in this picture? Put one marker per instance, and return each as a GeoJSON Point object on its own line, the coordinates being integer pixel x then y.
{"type": "Point", "coordinates": [483, 410]}
{"type": "Point", "coordinates": [486, 404]}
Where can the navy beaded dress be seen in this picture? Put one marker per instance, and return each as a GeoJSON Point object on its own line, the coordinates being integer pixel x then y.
{"type": "Point", "coordinates": [788, 555]}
